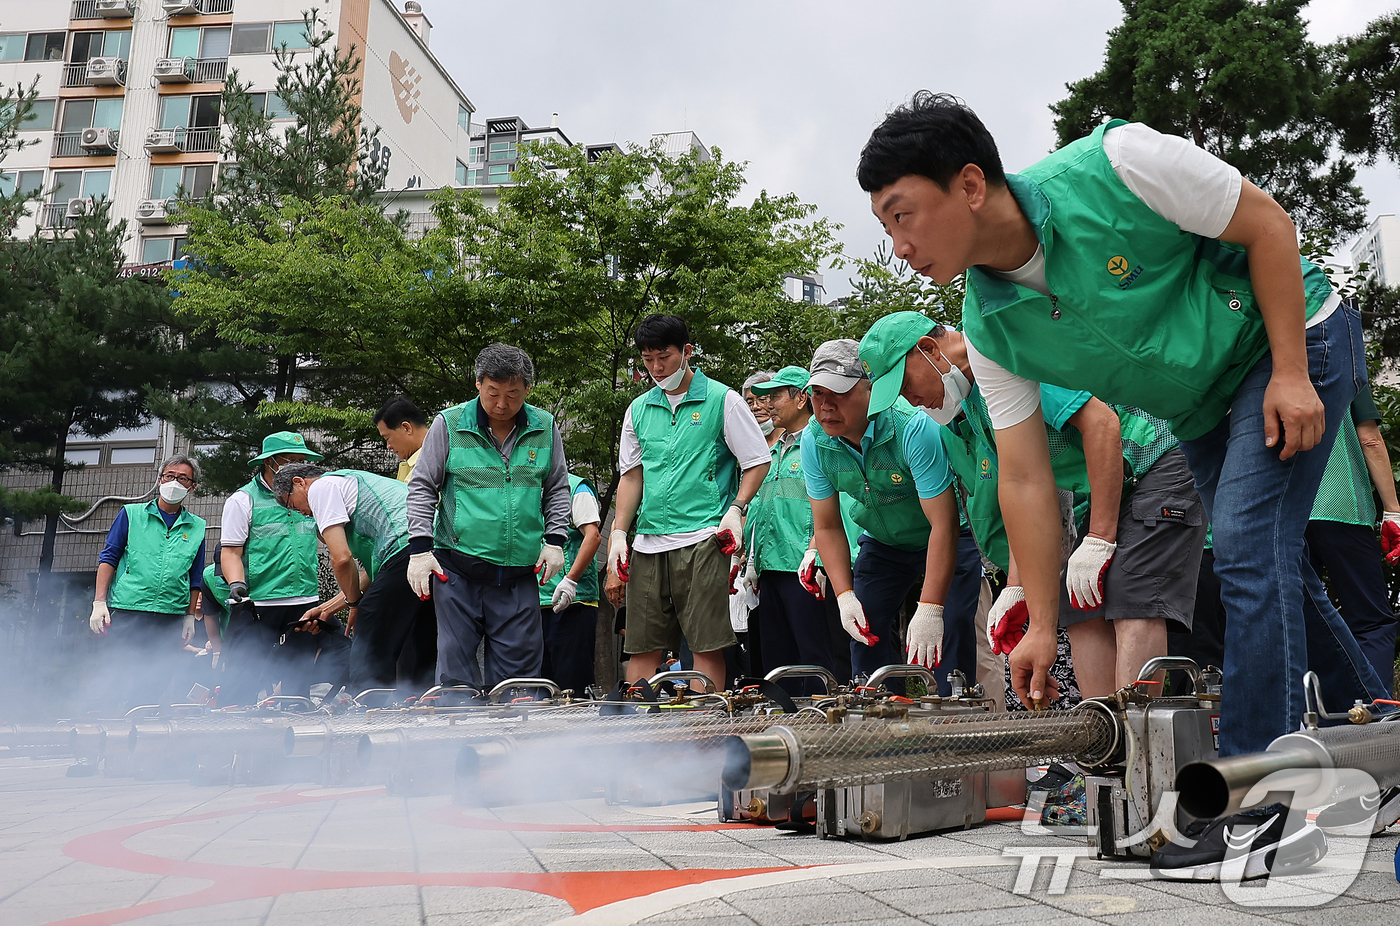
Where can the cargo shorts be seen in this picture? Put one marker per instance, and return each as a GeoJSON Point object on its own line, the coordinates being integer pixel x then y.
{"type": "Point", "coordinates": [675, 593]}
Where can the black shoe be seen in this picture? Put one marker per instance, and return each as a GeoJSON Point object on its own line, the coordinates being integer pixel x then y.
{"type": "Point", "coordinates": [1256, 844]}
{"type": "Point", "coordinates": [1361, 816]}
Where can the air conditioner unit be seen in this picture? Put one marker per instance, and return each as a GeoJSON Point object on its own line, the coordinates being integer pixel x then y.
{"type": "Point", "coordinates": [98, 139]}
{"type": "Point", "coordinates": [165, 141]}
{"type": "Point", "coordinates": [154, 211]}
{"type": "Point", "coordinates": [180, 7]}
{"type": "Point", "coordinates": [174, 70]}
{"type": "Point", "coordinates": [77, 207]}
{"type": "Point", "coordinates": [116, 9]}
{"type": "Point", "coordinates": [104, 72]}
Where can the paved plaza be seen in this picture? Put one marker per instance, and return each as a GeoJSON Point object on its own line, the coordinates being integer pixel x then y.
{"type": "Point", "coordinates": [97, 851]}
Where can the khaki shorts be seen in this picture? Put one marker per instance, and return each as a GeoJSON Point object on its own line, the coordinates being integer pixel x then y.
{"type": "Point", "coordinates": [679, 592]}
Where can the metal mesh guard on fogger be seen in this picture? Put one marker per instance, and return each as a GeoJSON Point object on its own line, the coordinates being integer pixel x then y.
{"type": "Point", "coordinates": [790, 758]}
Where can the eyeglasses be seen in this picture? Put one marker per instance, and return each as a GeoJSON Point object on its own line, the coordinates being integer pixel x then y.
{"type": "Point", "coordinates": [185, 481]}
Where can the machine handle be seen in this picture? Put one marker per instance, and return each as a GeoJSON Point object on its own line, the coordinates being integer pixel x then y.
{"type": "Point", "coordinates": [437, 690]}
{"type": "Point", "coordinates": [283, 701]}
{"type": "Point", "coordinates": [682, 675]}
{"type": "Point", "coordinates": [1184, 663]}
{"type": "Point", "coordinates": [503, 687]}
{"type": "Point", "coordinates": [822, 672]}
{"type": "Point", "coordinates": [888, 672]}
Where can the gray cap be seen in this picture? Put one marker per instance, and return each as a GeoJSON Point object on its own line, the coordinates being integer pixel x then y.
{"type": "Point", "coordinates": [836, 365]}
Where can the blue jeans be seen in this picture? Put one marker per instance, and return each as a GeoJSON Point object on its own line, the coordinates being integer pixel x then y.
{"type": "Point", "coordinates": [1280, 622]}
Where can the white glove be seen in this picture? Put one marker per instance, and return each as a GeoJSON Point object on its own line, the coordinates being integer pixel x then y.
{"type": "Point", "coordinates": [924, 642]}
{"type": "Point", "coordinates": [421, 568]}
{"type": "Point", "coordinates": [617, 554]}
{"type": "Point", "coordinates": [812, 578]}
{"type": "Point", "coordinates": [1006, 622]}
{"type": "Point", "coordinates": [1084, 574]}
{"type": "Point", "coordinates": [853, 619]}
{"type": "Point", "coordinates": [101, 618]}
{"type": "Point", "coordinates": [187, 630]}
{"type": "Point", "coordinates": [731, 531]}
{"type": "Point", "coordinates": [550, 563]}
{"type": "Point", "coordinates": [214, 662]}
{"type": "Point", "coordinates": [748, 582]}
{"type": "Point", "coordinates": [564, 595]}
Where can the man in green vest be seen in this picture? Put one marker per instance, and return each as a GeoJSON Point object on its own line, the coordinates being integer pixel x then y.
{"type": "Point", "coordinates": [791, 624]}
{"type": "Point", "coordinates": [892, 464]}
{"type": "Point", "coordinates": [1149, 273]}
{"type": "Point", "coordinates": [361, 517]}
{"type": "Point", "coordinates": [268, 558]}
{"type": "Point", "coordinates": [488, 511]}
{"type": "Point", "coordinates": [148, 579]}
{"type": "Point", "coordinates": [1134, 569]}
{"type": "Point", "coordinates": [692, 458]}
{"type": "Point", "coordinates": [569, 601]}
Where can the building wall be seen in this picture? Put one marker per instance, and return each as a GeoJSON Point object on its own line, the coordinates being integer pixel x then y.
{"type": "Point", "coordinates": [1379, 246]}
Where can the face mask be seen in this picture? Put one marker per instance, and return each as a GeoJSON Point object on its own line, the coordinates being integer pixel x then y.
{"type": "Point", "coordinates": [955, 389]}
{"type": "Point", "coordinates": [674, 380]}
{"type": "Point", "coordinates": [173, 493]}
{"type": "Point", "coordinates": [766, 427]}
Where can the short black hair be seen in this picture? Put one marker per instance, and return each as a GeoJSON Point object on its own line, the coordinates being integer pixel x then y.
{"type": "Point", "coordinates": [934, 135]}
{"type": "Point", "coordinates": [658, 332]}
{"type": "Point", "coordinates": [398, 410]}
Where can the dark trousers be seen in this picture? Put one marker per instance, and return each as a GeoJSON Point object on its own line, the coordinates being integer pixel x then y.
{"type": "Point", "coordinates": [840, 641]}
{"type": "Point", "coordinates": [569, 639]}
{"type": "Point", "coordinates": [417, 666]}
{"type": "Point", "coordinates": [388, 613]}
{"type": "Point", "coordinates": [246, 650]}
{"type": "Point", "coordinates": [792, 629]}
{"type": "Point", "coordinates": [142, 651]}
{"type": "Point", "coordinates": [1351, 557]}
{"type": "Point", "coordinates": [1204, 643]}
{"type": "Point", "coordinates": [960, 615]}
{"type": "Point", "coordinates": [262, 648]}
{"type": "Point", "coordinates": [505, 616]}
{"type": "Point", "coordinates": [883, 577]}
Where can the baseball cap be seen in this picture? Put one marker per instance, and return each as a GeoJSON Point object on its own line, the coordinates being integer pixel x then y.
{"type": "Point", "coordinates": [787, 376]}
{"type": "Point", "coordinates": [836, 365]}
{"type": "Point", "coordinates": [882, 353]}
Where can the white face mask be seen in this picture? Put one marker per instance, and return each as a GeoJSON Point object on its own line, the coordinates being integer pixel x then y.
{"type": "Point", "coordinates": [955, 389]}
{"type": "Point", "coordinates": [674, 380]}
{"type": "Point", "coordinates": [173, 493]}
{"type": "Point", "coordinates": [766, 427]}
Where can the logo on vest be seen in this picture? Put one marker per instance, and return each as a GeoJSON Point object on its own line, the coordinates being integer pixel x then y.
{"type": "Point", "coordinates": [1118, 266]}
{"type": "Point", "coordinates": [986, 469]}
{"type": "Point", "coordinates": [695, 418]}
{"type": "Point", "coordinates": [896, 478]}
{"type": "Point", "coordinates": [531, 456]}
{"type": "Point", "coordinates": [796, 465]}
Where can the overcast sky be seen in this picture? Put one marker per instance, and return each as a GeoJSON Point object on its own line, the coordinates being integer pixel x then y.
{"type": "Point", "coordinates": [794, 88]}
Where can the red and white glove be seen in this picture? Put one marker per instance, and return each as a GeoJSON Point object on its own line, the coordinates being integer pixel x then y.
{"type": "Point", "coordinates": [924, 641]}
{"type": "Point", "coordinates": [734, 567]}
{"type": "Point", "coordinates": [421, 568]}
{"type": "Point", "coordinates": [813, 579]}
{"type": "Point", "coordinates": [618, 554]}
{"type": "Point", "coordinates": [731, 531]}
{"type": "Point", "coordinates": [1084, 574]}
{"type": "Point", "coordinates": [853, 619]}
{"type": "Point", "coordinates": [1006, 622]}
{"type": "Point", "coordinates": [1390, 536]}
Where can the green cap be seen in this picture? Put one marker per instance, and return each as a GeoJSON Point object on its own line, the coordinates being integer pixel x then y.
{"type": "Point", "coordinates": [787, 376]}
{"type": "Point", "coordinates": [284, 442]}
{"type": "Point", "coordinates": [882, 353]}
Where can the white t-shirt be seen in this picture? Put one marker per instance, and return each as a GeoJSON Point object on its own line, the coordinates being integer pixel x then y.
{"type": "Point", "coordinates": [332, 500]}
{"type": "Point", "coordinates": [584, 509]}
{"type": "Point", "coordinates": [1182, 183]}
{"type": "Point", "coordinates": [233, 531]}
{"type": "Point", "coordinates": [741, 435]}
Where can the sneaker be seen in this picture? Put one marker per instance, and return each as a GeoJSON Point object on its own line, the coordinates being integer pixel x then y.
{"type": "Point", "coordinates": [1361, 816]}
{"type": "Point", "coordinates": [1255, 841]}
{"type": "Point", "coordinates": [1062, 796]}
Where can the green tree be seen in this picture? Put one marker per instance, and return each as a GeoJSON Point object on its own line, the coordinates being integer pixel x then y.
{"type": "Point", "coordinates": [1364, 98]}
{"type": "Point", "coordinates": [885, 284]}
{"type": "Point", "coordinates": [1239, 78]}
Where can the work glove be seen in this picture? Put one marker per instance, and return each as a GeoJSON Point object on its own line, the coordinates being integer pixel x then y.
{"type": "Point", "coordinates": [550, 563]}
{"type": "Point", "coordinates": [1390, 536]}
{"type": "Point", "coordinates": [101, 618]}
{"type": "Point", "coordinates": [731, 531]}
{"type": "Point", "coordinates": [813, 579]}
{"type": "Point", "coordinates": [1084, 574]}
{"type": "Point", "coordinates": [564, 595]}
{"type": "Point", "coordinates": [853, 619]}
{"type": "Point", "coordinates": [187, 629]}
{"type": "Point", "coordinates": [237, 594]}
{"type": "Point", "coordinates": [748, 582]}
{"type": "Point", "coordinates": [214, 660]}
{"type": "Point", "coordinates": [924, 641]}
{"type": "Point", "coordinates": [421, 568]}
{"type": "Point", "coordinates": [618, 554]}
{"type": "Point", "coordinates": [1006, 622]}
{"type": "Point", "coordinates": [735, 564]}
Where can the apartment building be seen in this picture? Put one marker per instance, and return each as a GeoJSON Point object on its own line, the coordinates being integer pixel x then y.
{"type": "Point", "coordinates": [1379, 247]}
{"type": "Point", "coordinates": [129, 99]}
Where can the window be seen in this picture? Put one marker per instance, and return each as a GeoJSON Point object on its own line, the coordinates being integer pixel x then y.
{"type": "Point", "coordinates": [12, 46]}
{"type": "Point", "coordinates": [97, 44]}
{"type": "Point", "coordinates": [194, 180]}
{"type": "Point", "coordinates": [476, 154]}
{"type": "Point", "coordinates": [251, 39]}
{"type": "Point", "coordinates": [193, 112]}
{"type": "Point", "coordinates": [464, 118]}
{"type": "Point", "coordinates": [162, 250]}
{"type": "Point", "coordinates": [293, 35]}
{"type": "Point", "coordinates": [39, 119]}
{"type": "Point", "coordinates": [133, 455]}
{"type": "Point", "coordinates": [84, 184]}
{"type": "Point", "coordinates": [474, 176]}
{"type": "Point", "coordinates": [24, 182]}
{"type": "Point", "coordinates": [88, 456]}
{"type": "Point", "coordinates": [83, 114]}
{"type": "Point", "coordinates": [45, 46]}
{"type": "Point", "coordinates": [461, 174]}
{"type": "Point", "coordinates": [270, 105]}
{"type": "Point", "coordinates": [503, 151]}
{"type": "Point", "coordinates": [498, 173]}
{"type": "Point", "coordinates": [193, 42]}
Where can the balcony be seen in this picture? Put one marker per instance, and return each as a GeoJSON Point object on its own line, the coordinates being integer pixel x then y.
{"type": "Point", "coordinates": [54, 215]}
{"type": "Point", "coordinates": [210, 70]}
{"type": "Point", "coordinates": [70, 145]}
{"type": "Point", "coordinates": [80, 75]}
{"type": "Point", "coordinates": [183, 140]}
{"type": "Point", "coordinates": [196, 7]}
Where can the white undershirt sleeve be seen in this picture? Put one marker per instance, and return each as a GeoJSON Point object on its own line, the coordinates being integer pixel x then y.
{"type": "Point", "coordinates": [742, 435]}
{"type": "Point", "coordinates": [327, 500]}
{"type": "Point", "coordinates": [629, 451]}
{"type": "Point", "coordinates": [1184, 184]}
{"type": "Point", "coordinates": [238, 514]}
{"type": "Point", "coordinates": [585, 509]}
{"type": "Point", "coordinates": [1010, 399]}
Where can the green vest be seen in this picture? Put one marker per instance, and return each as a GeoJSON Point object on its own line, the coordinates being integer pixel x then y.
{"type": "Point", "coordinates": [379, 527]}
{"type": "Point", "coordinates": [1140, 312]}
{"type": "Point", "coordinates": [1146, 439]}
{"type": "Point", "coordinates": [1344, 494]}
{"type": "Point", "coordinates": [280, 554]}
{"type": "Point", "coordinates": [884, 499]}
{"type": "Point", "coordinates": [689, 477]}
{"type": "Point", "coordinates": [780, 518]}
{"type": "Point", "coordinates": [588, 583]}
{"type": "Point", "coordinates": [489, 508]}
{"type": "Point", "coordinates": [217, 591]}
{"type": "Point", "coordinates": [153, 573]}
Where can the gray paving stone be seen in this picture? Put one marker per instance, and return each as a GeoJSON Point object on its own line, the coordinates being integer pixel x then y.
{"type": "Point", "coordinates": [451, 901]}
{"type": "Point", "coordinates": [833, 908]}
{"type": "Point", "coordinates": [948, 898]}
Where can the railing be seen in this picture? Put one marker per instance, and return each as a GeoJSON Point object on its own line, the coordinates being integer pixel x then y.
{"type": "Point", "coordinates": [69, 144]}
{"type": "Point", "coordinates": [210, 71]}
{"type": "Point", "coordinates": [83, 9]}
{"type": "Point", "coordinates": [201, 140]}
{"type": "Point", "coordinates": [213, 7]}
{"type": "Point", "coordinates": [54, 215]}
{"type": "Point", "coordinates": [75, 75]}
